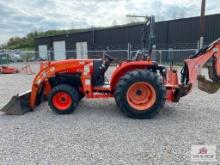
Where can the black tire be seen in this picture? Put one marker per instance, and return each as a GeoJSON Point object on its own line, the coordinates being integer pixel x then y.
{"type": "Point", "coordinates": [81, 96]}
{"type": "Point", "coordinates": [140, 76]}
{"type": "Point", "coordinates": [71, 92]}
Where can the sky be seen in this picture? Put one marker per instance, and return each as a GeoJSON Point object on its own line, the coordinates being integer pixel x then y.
{"type": "Point", "coordinates": [19, 17]}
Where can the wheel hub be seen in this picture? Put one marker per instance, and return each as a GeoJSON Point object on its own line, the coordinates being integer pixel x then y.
{"type": "Point", "coordinates": [139, 92]}
{"type": "Point", "coordinates": [62, 100]}
{"type": "Point", "coordinates": [141, 95]}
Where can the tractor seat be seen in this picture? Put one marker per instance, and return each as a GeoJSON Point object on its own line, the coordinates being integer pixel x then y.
{"type": "Point", "coordinates": [98, 76]}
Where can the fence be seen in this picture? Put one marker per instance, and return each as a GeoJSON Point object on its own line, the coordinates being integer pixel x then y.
{"type": "Point", "coordinates": [162, 56]}
{"type": "Point", "coordinates": [14, 56]}
{"type": "Point", "coordinates": [119, 55]}
{"type": "Point", "coordinates": [176, 56]}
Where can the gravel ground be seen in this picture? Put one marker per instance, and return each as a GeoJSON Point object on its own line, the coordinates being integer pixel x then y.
{"type": "Point", "coordinates": [97, 133]}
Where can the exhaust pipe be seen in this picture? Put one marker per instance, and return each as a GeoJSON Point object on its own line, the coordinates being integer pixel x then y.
{"type": "Point", "coordinates": [207, 85]}
{"type": "Point", "coordinates": [18, 105]}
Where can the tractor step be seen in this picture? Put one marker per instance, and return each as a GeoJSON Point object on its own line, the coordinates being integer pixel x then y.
{"type": "Point", "coordinates": [103, 88]}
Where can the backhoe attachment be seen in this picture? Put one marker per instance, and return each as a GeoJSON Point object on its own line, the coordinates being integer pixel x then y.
{"type": "Point", "coordinates": [207, 85]}
{"type": "Point", "coordinates": [193, 66]}
{"type": "Point", "coordinates": [18, 105]}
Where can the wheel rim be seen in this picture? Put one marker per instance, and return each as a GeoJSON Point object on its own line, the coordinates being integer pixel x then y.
{"type": "Point", "coordinates": [141, 96]}
{"type": "Point", "coordinates": [62, 100]}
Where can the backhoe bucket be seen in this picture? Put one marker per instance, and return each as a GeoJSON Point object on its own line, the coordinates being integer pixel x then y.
{"type": "Point", "coordinates": [18, 105]}
{"type": "Point", "coordinates": [207, 85]}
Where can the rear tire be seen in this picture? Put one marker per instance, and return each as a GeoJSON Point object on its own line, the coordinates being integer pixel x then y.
{"type": "Point", "coordinates": [81, 96]}
{"type": "Point", "coordinates": [63, 99]}
{"type": "Point", "coordinates": [140, 94]}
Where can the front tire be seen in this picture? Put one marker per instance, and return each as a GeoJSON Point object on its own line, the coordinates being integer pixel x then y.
{"type": "Point", "coordinates": [140, 94]}
{"type": "Point", "coordinates": [63, 99]}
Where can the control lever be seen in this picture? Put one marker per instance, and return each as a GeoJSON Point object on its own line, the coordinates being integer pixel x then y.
{"type": "Point", "coordinates": [107, 59]}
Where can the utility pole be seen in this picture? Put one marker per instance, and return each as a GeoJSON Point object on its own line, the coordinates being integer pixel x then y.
{"type": "Point", "coordinates": [202, 24]}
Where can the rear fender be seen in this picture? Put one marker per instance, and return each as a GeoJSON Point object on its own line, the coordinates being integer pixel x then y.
{"type": "Point", "coordinates": [127, 66]}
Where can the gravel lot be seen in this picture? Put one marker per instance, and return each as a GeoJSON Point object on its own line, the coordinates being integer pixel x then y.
{"type": "Point", "coordinates": [97, 133]}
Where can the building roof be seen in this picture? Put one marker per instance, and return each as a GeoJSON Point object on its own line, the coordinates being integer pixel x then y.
{"type": "Point", "coordinates": [71, 31]}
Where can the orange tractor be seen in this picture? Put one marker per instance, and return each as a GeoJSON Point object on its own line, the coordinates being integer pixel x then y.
{"type": "Point", "coordinates": [8, 70]}
{"type": "Point", "coordinates": [140, 86]}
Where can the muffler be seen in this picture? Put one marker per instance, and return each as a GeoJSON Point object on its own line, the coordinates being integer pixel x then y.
{"type": "Point", "coordinates": [18, 105]}
{"type": "Point", "coordinates": [207, 85]}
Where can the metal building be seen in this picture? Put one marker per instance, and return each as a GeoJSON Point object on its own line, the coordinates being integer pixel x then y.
{"type": "Point", "coordinates": [175, 34]}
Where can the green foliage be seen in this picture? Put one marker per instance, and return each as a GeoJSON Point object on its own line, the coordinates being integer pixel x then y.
{"type": "Point", "coordinates": [27, 42]}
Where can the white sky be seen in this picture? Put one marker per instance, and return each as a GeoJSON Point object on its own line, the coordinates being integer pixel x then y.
{"type": "Point", "coordinates": [18, 17]}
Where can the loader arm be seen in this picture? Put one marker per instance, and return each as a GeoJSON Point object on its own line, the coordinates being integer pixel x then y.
{"type": "Point", "coordinates": [67, 66]}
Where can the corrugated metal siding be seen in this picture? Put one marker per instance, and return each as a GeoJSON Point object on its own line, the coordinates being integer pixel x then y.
{"type": "Point", "coordinates": [161, 34]}
{"type": "Point", "coordinates": [72, 39]}
{"type": "Point", "coordinates": [116, 38]}
{"type": "Point", "coordinates": [183, 33]}
{"type": "Point", "coordinates": [212, 29]}
{"type": "Point", "coordinates": [177, 34]}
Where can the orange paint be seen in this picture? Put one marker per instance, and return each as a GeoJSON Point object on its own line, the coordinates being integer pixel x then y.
{"type": "Point", "coordinates": [62, 100]}
{"type": "Point", "coordinates": [217, 63]}
{"type": "Point", "coordinates": [195, 65]}
{"type": "Point", "coordinates": [141, 96]}
{"type": "Point", "coordinates": [125, 67]}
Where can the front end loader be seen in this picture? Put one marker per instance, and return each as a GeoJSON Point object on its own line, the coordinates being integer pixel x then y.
{"type": "Point", "coordinates": [18, 105]}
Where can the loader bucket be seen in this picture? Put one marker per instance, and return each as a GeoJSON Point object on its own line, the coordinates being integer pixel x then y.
{"type": "Point", "coordinates": [207, 85]}
{"type": "Point", "coordinates": [18, 105]}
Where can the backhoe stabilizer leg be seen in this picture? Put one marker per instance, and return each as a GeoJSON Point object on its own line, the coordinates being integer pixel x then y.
{"type": "Point", "coordinates": [207, 85]}
{"type": "Point", "coordinates": [18, 105]}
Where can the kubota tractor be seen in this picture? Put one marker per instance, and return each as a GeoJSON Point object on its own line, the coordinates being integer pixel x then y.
{"type": "Point", "coordinates": [140, 86]}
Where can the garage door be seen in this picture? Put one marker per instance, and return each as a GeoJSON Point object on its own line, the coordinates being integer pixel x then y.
{"type": "Point", "coordinates": [81, 50]}
{"type": "Point", "coordinates": [42, 51]}
{"type": "Point", "coordinates": [59, 50]}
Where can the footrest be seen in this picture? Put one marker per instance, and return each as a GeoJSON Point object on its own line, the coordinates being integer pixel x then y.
{"type": "Point", "coordinates": [102, 88]}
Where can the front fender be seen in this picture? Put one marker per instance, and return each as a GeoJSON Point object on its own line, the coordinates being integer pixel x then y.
{"type": "Point", "coordinates": [42, 78]}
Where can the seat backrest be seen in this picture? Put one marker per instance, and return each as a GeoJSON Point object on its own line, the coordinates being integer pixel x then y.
{"type": "Point", "coordinates": [98, 76]}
